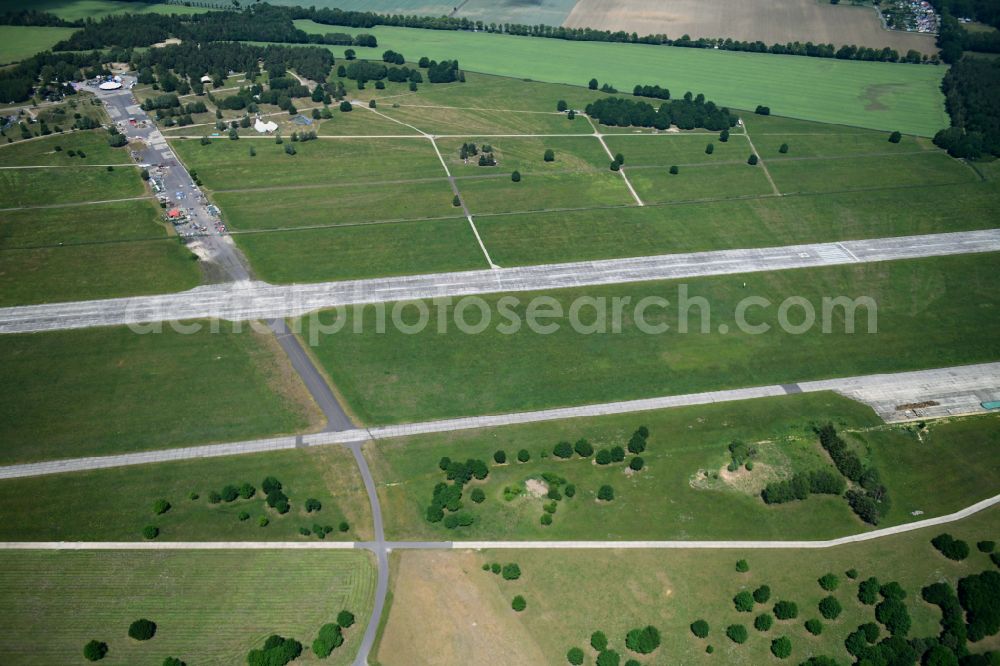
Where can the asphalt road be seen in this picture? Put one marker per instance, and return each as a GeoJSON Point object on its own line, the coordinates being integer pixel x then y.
{"type": "Point", "coordinates": [242, 301]}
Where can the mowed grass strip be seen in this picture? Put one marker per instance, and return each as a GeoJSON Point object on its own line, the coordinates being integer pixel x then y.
{"type": "Point", "coordinates": [931, 313]}
{"type": "Point", "coordinates": [86, 252]}
{"type": "Point", "coordinates": [695, 182]}
{"type": "Point", "coordinates": [886, 96]}
{"type": "Point", "coordinates": [539, 191]}
{"type": "Point", "coordinates": [864, 172]}
{"type": "Point", "coordinates": [677, 149]}
{"type": "Point", "coordinates": [450, 120]}
{"type": "Point", "coordinates": [539, 238]}
{"type": "Point", "coordinates": [669, 498]}
{"type": "Point", "coordinates": [348, 252]}
{"type": "Point", "coordinates": [59, 601]}
{"type": "Point", "coordinates": [670, 589]}
{"type": "Point", "coordinates": [334, 205]}
{"type": "Point", "coordinates": [42, 151]}
{"type": "Point", "coordinates": [115, 504]}
{"type": "Point", "coordinates": [837, 145]}
{"type": "Point", "coordinates": [42, 187]}
{"type": "Point", "coordinates": [111, 390]}
{"type": "Point", "coordinates": [526, 155]}
{"type": "Point", "coordinates": [227, 165]}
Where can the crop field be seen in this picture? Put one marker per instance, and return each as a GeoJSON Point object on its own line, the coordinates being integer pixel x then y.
{"type": "Point", "coordinates": [72, 10]}
{"type": "Point", "coordinates": [58, 601]}
{"type": "Point", "coordinates": [115, 504]}
{"type": "Point", "coordinates": [18, 42]}
{"type": "Point", "coordinates": [572, 593]}
{"type": "Point", "coordinates": [669, 499]}
{"type": "Point", "coordinates": [931, 309]}
{"type": "Point", "coordinates": [108, 390]}
{"type": "Point", "coordinates": [769, 21]}
{"type": "Point", "coordinates": [93, 251]}
{"type": "Point", "coordinates": [885, 96]}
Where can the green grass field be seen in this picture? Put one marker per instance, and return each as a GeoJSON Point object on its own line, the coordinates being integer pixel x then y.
{"type": "Point", "coordinates": [884, 96]}
{"type": "Point", "coordinates": [543, 191]}
{"type": "Point", "coordinates": [42, 187]}
{"type": "Point", "coordinates": [72, 10]}
{"type": "Point", "coordinates": [931, 313]}
{"type": "Point", "coordinates": [683, 148]}
{"type": "Point", "coordinates": [115, 504]}
{"type": "Point", "coordinates": [58, 601]}
{"type": "Point", "coordinates": [572, 593]}
{"type": "Point", "coordinates": [669, 499]}
{"type": "Point", "coordinates": [538, 238]}
{"type": "Point", "coordinates": [526, 154]}
{"type": "Point", "coordinates": [698, 182]}
{"type": "Point", "coordinates": [109, 390]}
{"type": "Point", "coordinates": [451, 120]}
{"type": "Point", "coordinates": [18, 42]}
{"type": "Point", "coordinates": [86, 252]}
{"type": "Point", "coordinates": [43, 151]}
{"type": "Point", "coordinates": [347, 252]}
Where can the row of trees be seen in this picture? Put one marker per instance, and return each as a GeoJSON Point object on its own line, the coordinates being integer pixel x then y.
{"type": "Point", "coordinates": [688, 113]}
{"type": "Point", "coordinates": [801, 485]}
{"type": "Point", "coordinates": [870, 502]}
{"type": "Point", "coordinates": [358, 19]}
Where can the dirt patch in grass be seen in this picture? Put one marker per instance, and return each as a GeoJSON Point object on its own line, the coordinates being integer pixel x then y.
{"type": "Point", "coordinates": [447, 610]}
{"type": "Point", "coordinates": [536, 487]}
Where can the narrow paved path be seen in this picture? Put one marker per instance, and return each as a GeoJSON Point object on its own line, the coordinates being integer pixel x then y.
{"type": "Point", "coordinates": [957, 390]}
{"type": "Point", "coordinates": [247, 300]}
{"type": "Point", "coordinates": [760, 163]}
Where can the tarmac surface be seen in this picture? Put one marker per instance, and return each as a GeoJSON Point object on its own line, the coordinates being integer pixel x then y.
{"type": "Point", "coordinates": [247, 300]}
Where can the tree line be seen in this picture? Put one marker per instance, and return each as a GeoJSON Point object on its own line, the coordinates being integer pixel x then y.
{"type": "Point", "coordinates": [972, 97]}
{"type": "Point", "coordinates": [690, 112]}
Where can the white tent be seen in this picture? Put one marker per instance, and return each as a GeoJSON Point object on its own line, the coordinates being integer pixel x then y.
{"type": "Point", "coordinates": [263, 127]}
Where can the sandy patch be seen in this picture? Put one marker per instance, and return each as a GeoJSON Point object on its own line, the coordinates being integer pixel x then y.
{"type": "Point", "coordinates": [536, 488]}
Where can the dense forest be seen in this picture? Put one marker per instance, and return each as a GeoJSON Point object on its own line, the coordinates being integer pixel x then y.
{"type": "Point", "coordinates": [690, 112]}
{"type": "Point", "coordinates": [972, 97]}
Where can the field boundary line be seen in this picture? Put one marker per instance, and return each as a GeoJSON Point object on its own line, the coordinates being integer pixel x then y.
{"type": "Point", "coordinates": [621, 169]}
{"type": "Point", "coordinates": [746, 133]}
{"type": "Point", "coordinates": [145, 197]}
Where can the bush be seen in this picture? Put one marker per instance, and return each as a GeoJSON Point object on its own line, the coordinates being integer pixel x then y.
{"type": "Point", "coordinates": [523, 456]}
{"type": "Point", "coordinates": [598, 641]}
{"type": "Point", "coordinates": [851, 573]}
{"type": "Point", "coordinates": [161, 506]}
{"type": "Point", "coordinates": [763, 622]}
{"type": "Point", "coordinates": [674, 170]}
{"type": "Point", "coordinates": [615, 166]}
{"type": "Point", "coordinates": [608, 658]}
{"type": "Point", "coordinates": [549, 156]}
{"type": "Point", "coordinates": [569, 490]}
{"type": "Point", "coordinates": [477, 495]}
{"type": "Point", "coordinates": [500, 457]}
{"type": "Point", "coordinates": [247, 491]}
{"type": "Point", "coordinates": [781, 647]}
{"type": "Point", "coordinates": [277, 651]}
{"type": "Point", "coordinates": [603, 457]}
{"type": "Point", "coordinates": [193, 496]}
{"type": "Point", "coordinates": [950, 547]}
{"type": "Point", "coordinates": [985, 546]}
{"type": "Point", "coordinates": [892, 590]}
{"type": "Point", "coordinates": [561, 105]}
{"type": "Point", "coordinates": [519, 604]}
{"type": "Point", "coordinates": [173, 661]}
{"type": "Point", "coordinates": [511, 571]}
{"type": "Point", "coordinates": [636, 464]}
{"type": "Point", "coordinates": [742, 566]}
{"type": "Point", "coordinates": [643, 641]}
{"type": "Point", "coordinates": [345, 618]}
{"type": "Point", "coordinates": [762, 594]}
{"type": "Point", "coordinates": [737, 633]}
{"type": "Point", "coordinates": [783, 148]}
{"type": "Point", "coordinates": [786, 610]}
{"type": "Point", "coordinates": [893, 615]}
{"type": "Point", "coordinates": [830, 608]}
{"type": "Point", "coordinates": [743, 602]}
{"type": "Point", "coordinates": [330, 638]}
{"type": "Point", "coordinates": [699, 628]}
{"type": "Point", "coordinates": [214, 497]}
{"type": "Point", "coordinates": [724, 136]}
{"type": "Point", "coordinates": [304, 531]}
{"type": "Point", "coordinates": [709, 149]}
{"type": "Point", "coordinates": [868, 591]}
{"type": "Point", "coordinates": [270, 484]}
{"type": "Point", "coordinates": [345, 106]}
{"type": "Point", "coordinates": [230, 493]}
{"type": "Point", "coordinates": [263, 522]}
{"type": "Point", "coordinates": [606, 493]}
{"type": "Point", "coordinates": [95, 650]}
{"type": "Point", "coordinates": [617, 454]}
{"type": "Point", "coordinates": [583, 448]}
{"type": "Point", "coordinates": [895, 137]}
{"type": "Point", "coordinates": [142, 629]}
{"type": "Point", "coordinates": [752, 160]}
{"type": "Point", "coordinates": [515, 177]}
{"type": "Point", "coordinates": [762, 110]}
{"type": "Point", "coordinates": [313, 504]}
{"type": "Point", "coordinates": [150, 531]}
{"type": "Point", "coordinates": [546, 519]}
{"type": "Point", "coordinates": [243, 515]}
{"type": "Point", "coordinates": [563, 450]}
{"type": "Point", "coordinates": [980, 597]}
{"type": "Point", "coordinates": [575, 656]}
{"type": "Point", "coordinates": [828, 582]}
{"type": "Point", "coordinates": [637, 443]}
{"type": "Point", "coordinates": [814, 627]}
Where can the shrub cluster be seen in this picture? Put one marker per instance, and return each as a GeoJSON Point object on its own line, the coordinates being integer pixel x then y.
{"type": "Point", "coordinates": [953, 632]}
{"type": "Point", "coordinates": [142, 629]}
{"type": "Point", "coordinates": [687, 113]}
{"type": "Point", "coordinates": [950, 547]}
{"type": "Point", "coordinates": [801, 484]}
{"type": "Point", "coordinates": [643, 641]}
{"type": "Point", "coordinates": [448, 497]}
{"type": "Point", "coordinates": [980, 597]}
{"type": "Point", "coordinates": [873, 502]}
{"type": "Point", "coordinates": [277, 651]}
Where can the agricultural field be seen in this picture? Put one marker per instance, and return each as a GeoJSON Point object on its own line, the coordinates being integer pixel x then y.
{"type": "Point", "coordinates": [672, 497]}
{"type": "Point", "coordinates": [572, 593]}
{"type": "Point", "coordinates": [116, 504]}
{"type": "Point", "coordinates": [73, 10]}
{"type": "Point", "coordinates": [934, 309]}
{"type": "Point", "coordinates": [18, 42]}
{"type": "Point", "coordinates": [883, 96]}
{"type": "Point", "coordinates": [760, 20]}
{"type": "Point", "coordinates": [69, 598]}
{"type": "Point", "coordinates": [108, 390]}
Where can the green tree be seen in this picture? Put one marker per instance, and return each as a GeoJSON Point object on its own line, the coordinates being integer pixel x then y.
{"type": "Point", "coordinates": [709, 149]}
{"type": "Point", "coordinates": [575, 656]}
{"type": "Point", "coordinates": [617, 454]}
{"type": "Point", "coordinates": [762, 594]}
{"type": "Point", "coordinates": [583, 448]}
{"type": "Point", "coordinates": [571, 115]}
{"type": "Point", "coordinates": [511, 571]}
{"type": "Point", "coordinates": [786, 610]}
{"type": "Point", "coordinates": [743, 602]}
{"type": "Point", "coordinates": [814, 627]}
{"type": "Point", "coordinates": [142, 629]}
{"type": "Point", "coordinates": [456, 201]}
{"type": "Point", "coordinates": [603, 457]}
{"type": "Point", "coordinates": [895, 137]}
{"type": "Point", "coordinates": [724, 135]}
{"type": "Point", "coordinates": [636, 464]}
{"type": "Point", "coordinates": [500, 457]}
{"type": "Point", "coordinates": [868, 591]}
{"type": "Point", "coordinates": [313, 504]}
{"type": "Point", "coordinates": [523, 456]}
{"type": "Point", "coordinates": [606, 493]}
{"type": "Point", "coordinates": [161, 506]}
{"type": "Point", "coordinates": [615, 166]}
{"type": "Point", "coordinates": [830, 608]}
{"type": "Point", "coordinates": [516, 177]}
{"type": "Point", "coordinates": [150, 531]}
{"type": "Point", "coordinates": [592, 84]}
{"type": "Point", "coordinates": [173, 661]}
{"type": "Point", "coordinates": [96, 650]}
{"type": "Point", "coordinates": [643, 641]}
{"type": "Point", "coordinates": [477, 495]}
{"type": "Point", "coordinates": [546, 519]}
{"type": "Point", "coordinates": [550, 155]}
{"type": "Point", "coordinates": [699, 628]}
{"type": "Point", "coordinates": [620, 158]}
{"type": "Point", "coordinates": [674, 170]}
{"type": "Point", "coordinates": [563, 450]}
{"type": "Point", "coordinates": [752, 160]}
{"type": "Point", "coordinates": [561, 105]}
{"type": "Point", "coordinates": [781, 647]}
{"type": "Point", "coordinates": [608, 658]}
{"type": "Point", "coordinates": [345, 618]}
{"type": "Point", "coordinates": [829, 582]}
{"type": "Point", "coordinates": [519, 604]}
{"type": "Point", "coordinates": [737, 633]}
{"type": "Point", "coordinates": [742, 566]}
{"type": "Point", "coordinates": [763, 622]}
{"type": "Point", "coordinates": [330, 637]}
{"type": "Point", "coordinates": [598, 641]}
{"type": "Point", "coordinates": [345, 106]}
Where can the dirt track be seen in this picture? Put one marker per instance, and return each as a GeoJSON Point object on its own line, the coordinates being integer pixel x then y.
{"type": "Point", "coordinates": [769, 21]}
